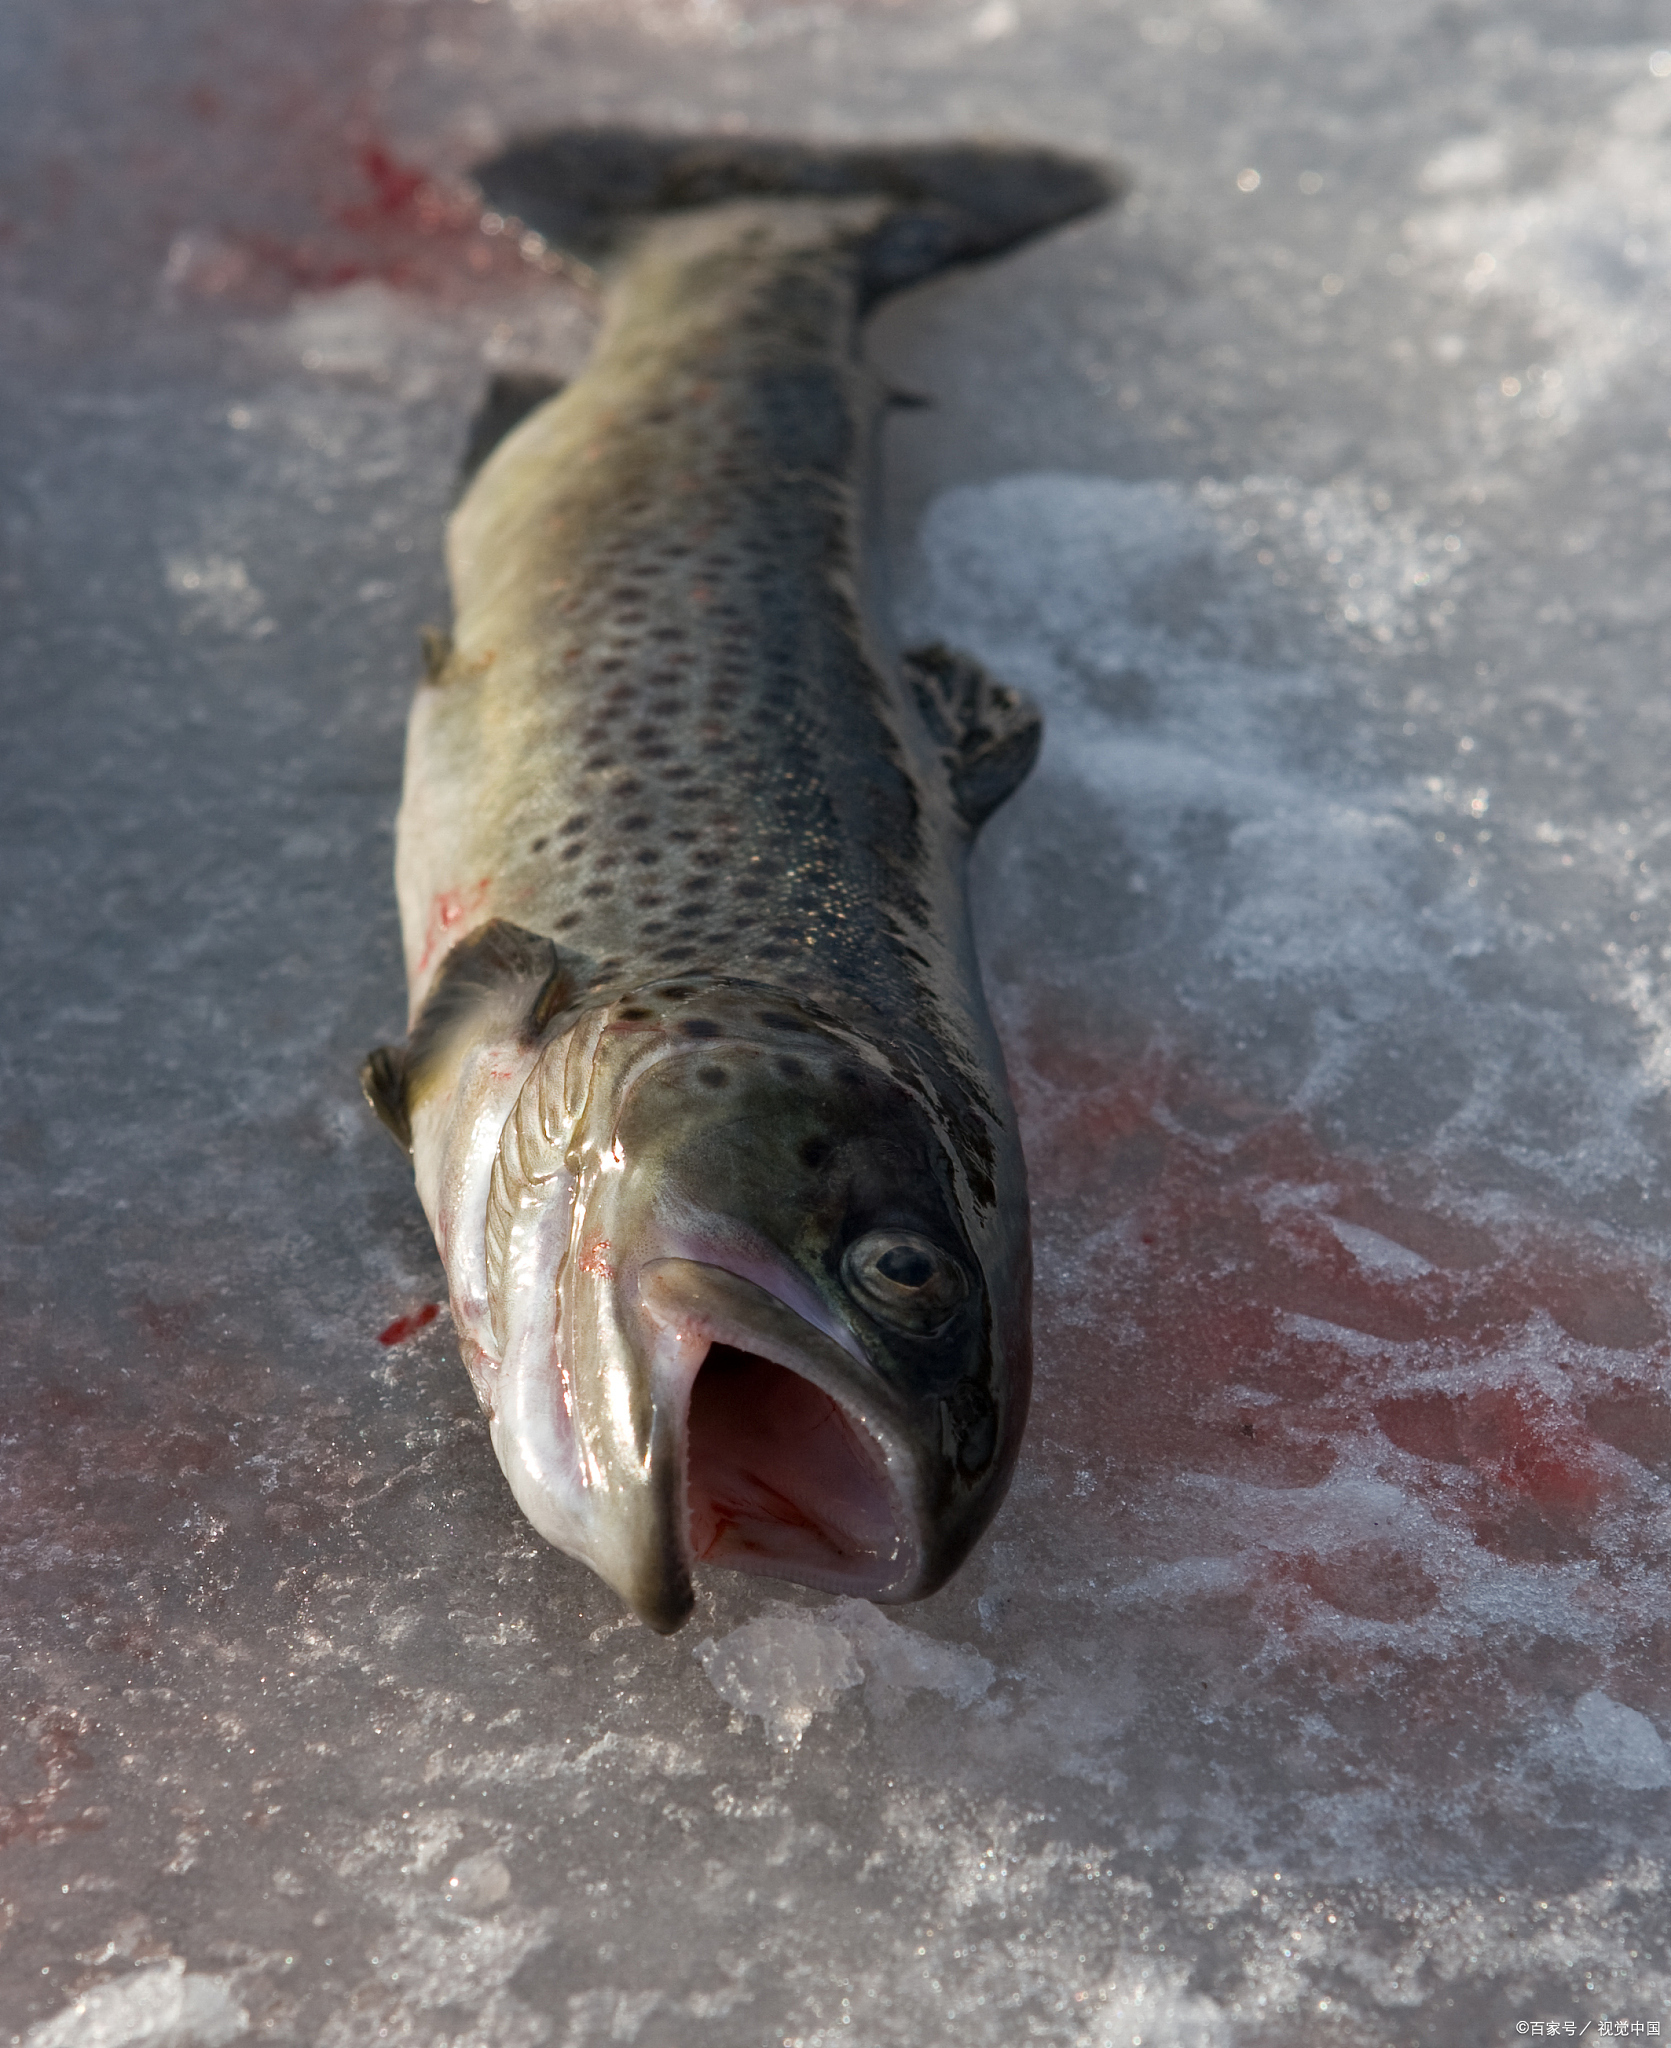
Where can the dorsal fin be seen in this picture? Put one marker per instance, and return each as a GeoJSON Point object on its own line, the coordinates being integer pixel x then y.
{"type": "Point", "coordinates": [988, 733]}
{"type": "Point", "coordinates": [495, 962]}
{"type": "Point", "coordinates": [582, 188]}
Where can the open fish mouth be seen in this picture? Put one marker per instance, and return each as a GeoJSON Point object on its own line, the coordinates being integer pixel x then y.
{"type": "Point", "coordinates": [785, 1472]}
{"type": "Point", "coordinates": [777, 1476]}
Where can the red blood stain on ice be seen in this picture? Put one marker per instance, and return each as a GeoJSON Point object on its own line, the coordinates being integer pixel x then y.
{"type": "Point", "coordinates": [404, 1327]}
{"type": "Point", "coordinates": [399, 191]}
{"type": "Point", "coordinates": [57, 1754]}
{"type": "Point", "coordinates": [1223, 1298]}
{"type": "Point", "coordinates": [378, 220]}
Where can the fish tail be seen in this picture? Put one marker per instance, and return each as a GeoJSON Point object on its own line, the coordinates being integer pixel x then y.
{"type": "Point", "coordinates": [585, 189]}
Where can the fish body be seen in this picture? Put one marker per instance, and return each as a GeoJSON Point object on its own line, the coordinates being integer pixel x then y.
{"type": "Point", "coordinates": [703, 1098]}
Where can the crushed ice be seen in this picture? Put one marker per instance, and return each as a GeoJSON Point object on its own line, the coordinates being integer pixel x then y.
{"type": "Point", "coordinates": [789, 1663]}
{"type": "Point", "coordinates": [163, 2006]}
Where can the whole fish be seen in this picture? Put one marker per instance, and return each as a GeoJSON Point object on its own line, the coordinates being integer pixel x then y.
{"type": "Point", "coordinates": [703, 1099]}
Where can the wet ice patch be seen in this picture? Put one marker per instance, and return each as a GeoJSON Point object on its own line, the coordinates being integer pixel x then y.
{"type": "Point", "coordinates": [790, 1663]}
{"type": "Point", "coordinates": [167, 2006]}
{"type": "Point", "coordinates": [216, 591]}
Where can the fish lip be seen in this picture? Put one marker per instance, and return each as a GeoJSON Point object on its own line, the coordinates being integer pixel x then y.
{"type": "Point", "coordinates": [695, 1305]}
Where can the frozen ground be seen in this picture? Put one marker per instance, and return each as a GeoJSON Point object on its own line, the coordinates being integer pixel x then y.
{"type": "Point", "coordinates": [1315, 1685]}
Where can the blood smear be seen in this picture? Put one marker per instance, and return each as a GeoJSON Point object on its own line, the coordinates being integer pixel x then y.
{"type": "Point", "coordinates": [404, 1327]}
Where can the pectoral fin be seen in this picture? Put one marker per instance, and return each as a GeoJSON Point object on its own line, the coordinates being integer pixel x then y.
{"type": "Point", "coordinates": [988, 733]}
{"type": "Point", "coordinates": [383, 1079]}
{"type": "Point", "coordinates": [532, 978]}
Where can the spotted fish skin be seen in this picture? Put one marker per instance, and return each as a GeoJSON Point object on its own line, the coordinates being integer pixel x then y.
{"type": "Point", "coordinates": [704, 1100]}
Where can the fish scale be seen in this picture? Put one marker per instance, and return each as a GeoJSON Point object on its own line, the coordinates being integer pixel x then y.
{"type": "Point", "coordinates": [701, 1091]}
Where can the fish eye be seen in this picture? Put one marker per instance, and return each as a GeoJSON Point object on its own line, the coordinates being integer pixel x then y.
{"type": "Point", "coordinates": [904, 1279]}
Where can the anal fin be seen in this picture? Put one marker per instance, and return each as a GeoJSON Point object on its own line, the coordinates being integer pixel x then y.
{"type": "Point", "coordinates": [988, 733]}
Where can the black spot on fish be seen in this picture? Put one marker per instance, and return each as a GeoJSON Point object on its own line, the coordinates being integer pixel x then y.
{"type": "Point", "coordinates": [598, 889]}
{"type": "Point", "coordinates": [636, 822]}
{"type": "Point", "coordinates": [675, 992]}
{"type": "Point", "coordinates": [700, 1027]}
{"type": "Point", "coordinates": [635, 1013]}
{"type": "Point", "coordinates": [679, 952]}
{"type": "Point", "coordinates": [814, 1151]}
{"type": "Point", "coordinates": [539, 845]}
{"type": "Point", "coordinates": [574, 852]}
{"type": "Point", "coordinates": [712, 1077]}
{"type": "Point", "coordinates": [647, 856]}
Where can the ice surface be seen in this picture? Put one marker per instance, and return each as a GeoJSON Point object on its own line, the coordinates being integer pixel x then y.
{"type": "Point", "coordinates": [1313, 1685]}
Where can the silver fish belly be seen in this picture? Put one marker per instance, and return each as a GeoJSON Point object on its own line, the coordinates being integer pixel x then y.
{"type": "Point", "coordinates": [703, 1099]}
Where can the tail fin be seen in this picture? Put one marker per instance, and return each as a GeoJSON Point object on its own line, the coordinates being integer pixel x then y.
{"type": "Point", "coordinates": [956, 203]}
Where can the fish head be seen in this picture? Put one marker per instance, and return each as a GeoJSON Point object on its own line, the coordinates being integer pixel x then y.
{"type": "Point", "coordinates": [749, 1312]}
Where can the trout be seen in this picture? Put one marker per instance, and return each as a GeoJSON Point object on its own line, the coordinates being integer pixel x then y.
{"type": "Point", "coordinates": [703, 1100]}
